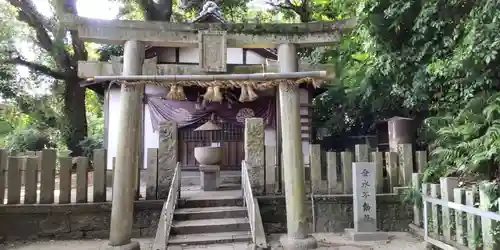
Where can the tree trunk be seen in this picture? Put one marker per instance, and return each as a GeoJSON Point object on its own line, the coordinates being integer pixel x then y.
{"type": "Point", "coordinates": [75, 129]}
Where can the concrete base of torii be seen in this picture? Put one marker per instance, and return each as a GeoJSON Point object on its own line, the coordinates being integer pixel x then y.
{"type": "Point", "coordinates": [306, 243]}
{"type": "Point", "coordinates": [133, 245]}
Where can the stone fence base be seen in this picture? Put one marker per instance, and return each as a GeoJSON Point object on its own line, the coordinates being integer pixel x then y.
{"type": "Point", "coordinates": [72, 221]}
{"type": "Point", "coordinates": [333, 213]}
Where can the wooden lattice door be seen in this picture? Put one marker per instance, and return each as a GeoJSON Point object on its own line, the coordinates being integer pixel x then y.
{"type": "Point", "coordinates": [230, 138]}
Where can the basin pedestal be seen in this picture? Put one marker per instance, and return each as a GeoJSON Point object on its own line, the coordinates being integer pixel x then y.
{"type": "Point", "coordinates": [209, 159]}
{"type": "Point", "coordinates": [209, 177]}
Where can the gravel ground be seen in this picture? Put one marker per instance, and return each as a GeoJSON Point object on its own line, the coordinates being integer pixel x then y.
{"type": "Point", "coordinates": [398, 241]}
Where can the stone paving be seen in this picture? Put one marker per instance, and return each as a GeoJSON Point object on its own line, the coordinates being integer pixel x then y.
{"type": "Point", "coordinates": [326, 241]}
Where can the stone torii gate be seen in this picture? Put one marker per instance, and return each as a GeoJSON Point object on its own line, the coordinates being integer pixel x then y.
{"type": "Point", "coordinates": [212, 39]}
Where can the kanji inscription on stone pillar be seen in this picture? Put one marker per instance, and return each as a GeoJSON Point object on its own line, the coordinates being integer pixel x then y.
{"type": "Point", "coordinates": [213, 49]}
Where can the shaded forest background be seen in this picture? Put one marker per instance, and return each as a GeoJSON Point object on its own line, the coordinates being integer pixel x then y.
{"type": "Point", "coordinates": [435, 61]}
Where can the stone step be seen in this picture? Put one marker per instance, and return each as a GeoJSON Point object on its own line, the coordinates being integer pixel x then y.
{"type": "Point", "coordinates": [210, 238]}
{"type": "Point", "coordinates": [210, 225]}
{"type": "Point", "coordinates": [209, 213]}
{"type": "Point", "coordinates": [211, 201]}
{"type": "Point", "coordinates": [194, 180]}
{"type": "Point", "coordinates": [229, 186]}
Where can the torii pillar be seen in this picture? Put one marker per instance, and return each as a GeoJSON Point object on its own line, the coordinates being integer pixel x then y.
{"type": "Point", "coordinates": [127, 152]}
{"type": "Point", "coordinates": [293, 158]}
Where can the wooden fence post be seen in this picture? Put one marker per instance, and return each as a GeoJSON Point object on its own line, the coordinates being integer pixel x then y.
{"type": "Point", "coordinates": [416, 183]}
{"type": "Point", "coordinates": [391, 161]}
{"type": "Point", "coordinates": [14, 168]}
{"type": "Point", "coordinates": [271, 168]}
{"type": "Point", "coordinates": [377, 158]}
{"type": "Point", "coordinates": [100, 159]}
{"type": "Point", "coordinates": [346, 161]}
{"type": "Point", "coordinates": [4, 155]}
{"type": "Point", "coordinates": [460, 221]}
{"type": "Point", "coordinates": [151, 185]}
{"type": "Point", "coordinates": [82, 165]}
{"type": "Point", "coordinates": [488, 226]}
{"type": "Point", "coordinates": [447, 185]}
{"type": "Point", "coordinates": [317, 184]}
{"type": "Point", "coordinates": [436, 220]}
{"type": "Point", "coordinates": [421, 160]}
{"type": "Point", "coordinates": [47, 176]}
{"type": "Point", "coordinates": [405, 164]}
{"type": "Point", "coordinates": [472, 220]}
{"type": "Point", "coordinates": [362, 152]}
{"type": "Point", "coordinates": [307, 178]}
{"type": "Point", "coordinates": [65, 166]}
{"type": "Point", "coordinates": [331, 172]}
{"type": "Point", "coordinates": [426, 188]}
{"type": "Point", "coordinates": [31, 179]}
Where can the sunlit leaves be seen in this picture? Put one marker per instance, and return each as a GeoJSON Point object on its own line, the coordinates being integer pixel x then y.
{"type": "Point", "coordinates": [468, 142]}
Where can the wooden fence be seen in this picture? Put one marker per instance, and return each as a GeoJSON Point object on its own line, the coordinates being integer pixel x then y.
{"type": "Point", "coordinates": [44, 178]}
{"type": "Point", "coordinates": [457, 218]}
{"type": "Point", "coordinates": [331, 172]}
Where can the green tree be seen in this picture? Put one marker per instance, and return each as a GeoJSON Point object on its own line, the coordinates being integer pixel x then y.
{"type": "Point", "coordinates": [436, 53]}
{"type": "Point", "coordinates": [59, 60]}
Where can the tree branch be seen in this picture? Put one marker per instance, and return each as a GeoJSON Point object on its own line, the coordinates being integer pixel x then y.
{"type": "Point", "coordinates": [159, 10]}
{"type": "Point", "coordinates": [79, 50]}
{"type": "Point", "coordinates": [27, 13]}
{"type": "Point", "coordinates": [286, 6]}
{"type": "Point", "coordinates": [37, 67]}
{"type": "Point", "coordinates": [301, 10]}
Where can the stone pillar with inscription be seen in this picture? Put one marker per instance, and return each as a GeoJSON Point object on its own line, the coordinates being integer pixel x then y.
{"type": "Point", "coordinates": [293, 158]}
{"type": "Point", "coordinates": [365, 203]}
{"type": "Point", "coordinates": [254, 153]}
{"type": "Point", "coordinates": [127, 153]}
{"type": "Point", "coordinates": [167, 157]}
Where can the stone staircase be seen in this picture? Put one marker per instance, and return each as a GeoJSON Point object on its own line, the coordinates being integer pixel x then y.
{"type": "Point", "coordinates": [214, 217]}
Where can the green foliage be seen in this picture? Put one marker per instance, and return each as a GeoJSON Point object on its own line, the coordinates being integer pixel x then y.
{"type": "Point", "coordinates": [492, 191]}
{"type": "Point", "coordinates": [435, 54]}
{"type": "Point", "coordinates": [107, 51]}
{"type": "Point", "coordinates": [95, 118]}
{"type": "Point", "coordinates": [412, 196]}
{"type": "Point", "coordinates": [406, 58]}
{"type": "Point", "coordinates": [90, 143]}
{"type": "Point", "coordinates": [28, 139]}
{"type": "Point", "coordinates": [467, 142]}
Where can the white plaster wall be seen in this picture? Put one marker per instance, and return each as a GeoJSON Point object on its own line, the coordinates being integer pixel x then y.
{"type": "Point", "coordinates": [254, 58]}
{"type": "Point", "coordinates": [191, 55]}
{"type": "Point", "coordinates": [150, 136]}
{"type": "Point", "coordinates": [114, 120]}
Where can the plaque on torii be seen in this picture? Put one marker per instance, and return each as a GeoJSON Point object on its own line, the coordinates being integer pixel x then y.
{"type": "Point", "coordinates": [213, 51]}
